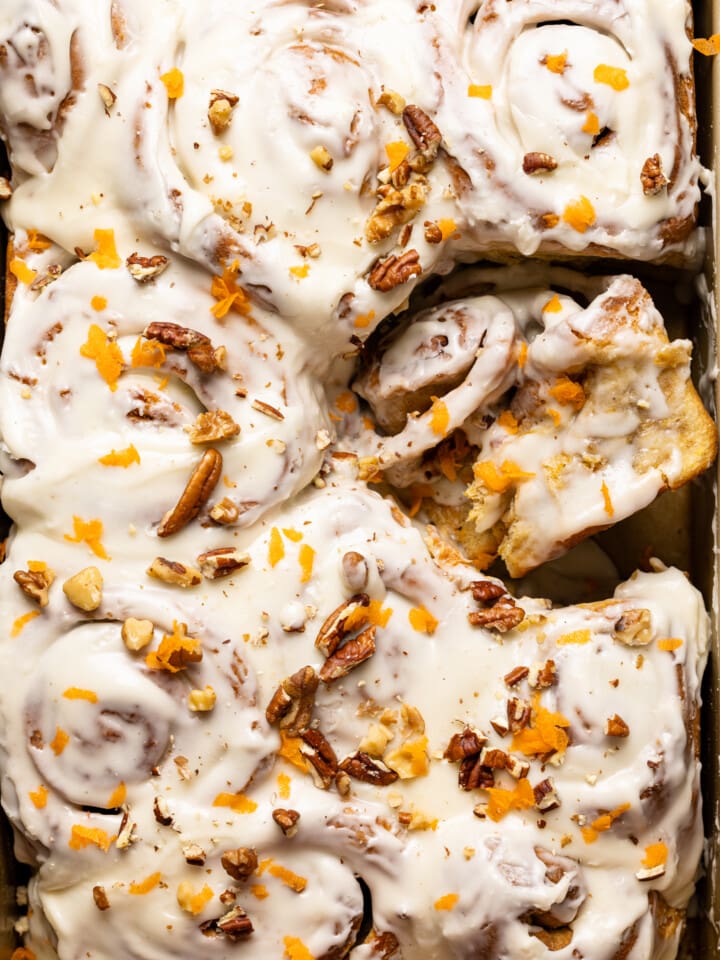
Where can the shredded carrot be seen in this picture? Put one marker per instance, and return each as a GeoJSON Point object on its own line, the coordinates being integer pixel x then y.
{"type": "Point", "coordinates": [482, 91]}
{"type": "Point", "coordinates": [300, 272]}
{"type": "Point", "coordinates": [422, 620]}
{"type": "Point", "coordinates": [295, 949]}
{"type": "Point", "coordinates": [554, 415]}
{"type": "Point", "coordinates": [575, 636]}
{"type": "Point", "coordinates": [260, 891]}
{"type": "Point", "coordinates": [105, 257]}
{"type": "Point", "coordinates": [364, 319]}
{"type": "Point", "coordinates": [78, 693]}
{"type": "Point", "coordinates": [228, 294]}
{"type": "Point", "coordinates": [522, 355]}
{"type": "Point", "coordinates": [374, 614]}
{"type": "Point", "coordinates": [174, 83]}
{"type": "Point", "coordinates": [614, 77]}
{"type": "Point", "coordinates": [290, 751]}
{"type": "Point", "coordinates": [37, 242]}
{"type": "Point", "coordinates": [346, 402]}
{"type": "Point", "coordinates": [23, 953]}
{"type": "Point", "coordinates": [655, 855]}
{"type": "Point", "coordinates": [603, 823]}
{"type": "Point", "coordinates": [607, 501]}
{"type": "Point", "coordinates": [59, 741]}
{"type": "Point", "coordinates": [545, 735]}
{"type": "Point", "coordinates": [176, 651]}
{"type": "Point", "coordinates": [439, 417]}
{"type": "Point", "coordinates": [568, 393]}
{"type": "Point", "coordinates": [98, 303]}
{"type": "Point", "coordinates": [496, 480]}
{"type": "Point", "coordinates": [410, 759]}
{"type": "Point", "coordinates": [592, 124]}
{"type": "Point", "coordinates": [148, 353]}
{"type": "Point", "coordinates": [709, 46]}
{"type": "Point", "coordinates": [39, 797]}
{"type": "Point", "coordinates": [276, 547]}
{"type": "Point", "coordinates": [19, 269]}
{"type": "Point", "coordinates": [120, 458]}
{"type": "Point", "coordinates": [503, 801]}
{"type": "Point", "coordinates": [237, 802]}
{"type": "Point", "coordinates": [306, 557]}
{"type": "Point", "coordinates": [396, 152]}
{"type": "Point", "coordinates": [146, 885]}
{"type": "Point", "coordinates": [290, 879]}
{"type": "Point", "coordinates": [118, 796]}
{"type": "Point", "coordinates": [553, 305]}
{"type": "Point", "coordinates": [90, 533]}
{"type": "Point", "coordinates": [580, 214]}
{"type": "Point", "coordinates": [81, 837]}
{"type": "Point", "coordinates": [21, 622]}
{"type": "Point", "coordinates": [192, 902]}
{"type": "Point", "coordinates": [292, 534]}
{"type": "Point", "coordinates": [670, 644]}
{"type": "Point", "coordinates": [447, 902]}
{"type": "Point", "coordinates": [556, 63]}
{"type": "Point", "coordinates": [106, 354]}
{"type": "Point", "coordinates": [447, 227]}
{"type": "Point", "coordinates": [284, 782]}
{"type": "Point", "coordinates": [507, 421]}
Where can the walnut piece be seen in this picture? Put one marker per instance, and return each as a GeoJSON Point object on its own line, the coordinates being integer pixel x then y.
{"type": "Point", "coordinates": [394, 209]}
{"type": "Point", "coordinates": [240, 863]}
{"type": "Point", "coordinates": [137, 634]}
{"type": "Point", "coordinates": [100, 897]}
{"type": "Point", "coordinates": [652, 177]}
{"type": "Point", "coordinates": [84, 589]}
{"type": "Point", "coordinates": [235, 924]}
{"type": "Point", "coordinates": [35, 584]}
{"type": "Point", "coordinates": [212, 427]}
{"type": "Point", "coordinates": [634, 628]}
{"type": "Point", "coordinates": [287, 820]}
{"type": "Point", "coordinates": [220, 110]}
{"type": "Point", "coordinates": [202, 701]}
{"type": "Point", "coordinates": [615, 726]}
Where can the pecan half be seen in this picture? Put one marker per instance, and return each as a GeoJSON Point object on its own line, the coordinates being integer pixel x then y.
{"type": "Point", "coordinates": [502, 616]}
{"type": "Point", "coordinates": [485, 590]}
{"type": "Point", "coordinates": [652, 177]}
{"type": "Point", "coordinates": [235, 924]}
{"type": "Point", "coordinates": [322, 758]}
{"type": "Point", "coordinates": [222, 562]}
{"type": "Point", "coordinates": [198, 347]}
{"type": "Point", "coordinates": [291, 705]}
{"type": "Point", "coordinates": [433, 233]}
{"type": "Point", "coordinates": [240, 863]}
{"type": "Point", "coordinates": [287, 820]}
{"type": "Point", "coordinates": [349, 656]}
{"type": "Point", "coordinates": [35, 584]}
{"type": "Point", "coordinates": [394, 271]}
{"type": "Point", "coordinates": [538, 163]}
{"type": "Point", "coordinates": [145, 269]}
{"type": "Point", "coordinates": [333, 632]}
{"type": "Point", "coordinates": [201, 484]}
{"type": "Point", "coordinates": [423, 132]}
{"type": "Point", "coordinates": [173, 573]}
{"type": "Point", "coordinates": [212, 427]}
{"type": "Point", "coordinates": [468, 743]}
{"type": "Point", "coordinates": [634, 628]}
{"type": "Point", "coordinates": [361, 766]}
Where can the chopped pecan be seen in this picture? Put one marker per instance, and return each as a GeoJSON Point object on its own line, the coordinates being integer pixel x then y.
{"type": "Point", "coordinates": [108, 97]}
{"type": "Point", "coordinates": [485, 590]}
{"type": "Point", "coordinates": [546, 797]}
{"type": "Point", "coordinates": [433, 233]}
{"type": "Point", "coordinates": [35, 584]}
{"type": "Point", "coordinates": [220, 110]}
{"type": "Point", "coordinates": [474, 776]}
{"type": "Point", "coordinates": [393, 271]}
{"type": "Point", "coordinates": [198, 347]}
{"type": "Point", "coordinates": [500, 726]}
{"type": "Point", "coordinates": [519, 713]}
{"type": "Point", "coordinates": [320, 755]}
{"type": "Point", "coordinates": [361, 766]}
{"type": "Point", "coordinates": [385, 946]}
{"type": "Point", "coordinates": [174, 573]}
{"type": "Point", "coordinates": [493, 758]}
{"type": "Point", "coordinates": [240, 863]}
{"type": "Point", "coordinates": [268, 409]}
{"type": "Point", "coordinates": [145, 269]}
{"type": "Point", "coordinates": [212, 427]}
{"type": "Point", "coordinates": [44, 279]}
{"type": "Point", "coordinates": [393, 210]}
{"type": "Point", "coordinates": [333, 632]}
{"type": "Point", "coordinates": [355, 570]}
{"type": "Point", "coordinates": [502, 616]}
{"type": "Point", "coordinates": [542, 675]}
{"type": "Point", "coordinates": [468, 743]}
{"type": "Point", "coordinates": [201, 484]}
{"type": "Point", "coordinates": [423, 132]}
{"type": "Point", "coordinates": [291, 705]}
{"type": "Point", "coordinates": [161, 811]}
{"type": "Point", "coordinates": [515, 676]}
{"type": "Point", "coordinates": [652, 177]}
{"type": "Point", "coordinates": [350, 655]}
{"type": "Point", "coordinates": [516, 766]}
{"type": "Point", "coordinates": [615, 726]}
{"type": "Point", "coordinates": [194, 854]}
{"type": "Point", "coordinates": [222, 562]}
{"type": "Point", "coordinates": [225, 512]}
{"type": "Point", "coordinates": [100, 897]}
{"type": "Point", "coordinates": [235, 924]}
{"type": "Point", "coordinates": [538, 163]}
{"type": "Point", "coordinates": [634, 628]}
{"type": "Point", "coordinates": [287, 820]}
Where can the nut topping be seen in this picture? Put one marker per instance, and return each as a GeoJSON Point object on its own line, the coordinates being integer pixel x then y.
{"type": "Point", "coordinates": [201, 484]}
{"type": "Point", "coordinates": [220, 110]}
{"type": "Point", "coordinates": [465, 744]}
{"type": "Point", "coordinates": [35, 584]}
{"type": "Point", "coordinates": [394, 271]}
{"type": "Point", "coordinates": [268, 409]}
{"type": "Point", "coordinates": [474, 776]}
{"type": "Point", "coordinates": [212, 427]}
{"type": "Point", "coordinates": [287, 820]}
{"type": "Point", "coordinates": [222, 562]}
{"type": "Point", "coordinates": [292, 703]}
{"type": "Point", "coordinates": [634, 628]}
{"type": "Point", "coordinates": [322, 158]}
{"type": "Point", "coordinates": [615, 726]}
{"type": "Point", "coordinates": [354, 571]}
{"type": "Point", "coordinates": [349, 656]}
{"type": "Point", "coordinates": [225, 512]}
{"type": "Point", "coordinates": [423, 132]}
{"type": "Point", "coordinates": [241, 863]}
{"type": "Point", "coordinates": [516, 675]}
{"type": "Point", "coordinates": [542, 675]}
{"type": "Point", "coordinates": [194, 854]}
{"type": "Point", "coordinates": [545, 796]}
{"type": "Point", "coordinates": [84, 590]}
{"type": "Point", "coordinates": [145, 269]}
{"type": "Point", "coordinates": [198, 347]}
{"type": "Point", "coordinates": [5, 188]}
{"type": "Point", "coordinates": [108, 97]}
{"type": "Point", "coordinates": [332, 632]}
{"type": "Point", "coordinates": [100, 897]}
{"type": "Point", "coordinates": [137, 634]}
{"type": "Point", "coordinates": [519, 713]}
{"type": "Point", "coordinates": [538, 163]}
{"type": "Point", "coordinates": [161, 811]}
{"type": "Point", "coordinates": [394, 209]}
{"type": "Point", "coordinates": [502, 615]}
{"type": "Point", "coordinates": [236, 924]}
{"type": "Point", "coordinates": [361, 766]}
{"type": "Point", "coordinates": [173, 573]}
{"type": "Point", "coordinates": [652, 177]}
{"type": "Point", "coordinates": [322, 758]}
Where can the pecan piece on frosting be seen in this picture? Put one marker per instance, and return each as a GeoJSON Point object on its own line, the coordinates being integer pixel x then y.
{"type": "Point", "coordinates": [241, 863]}
{"type": "Point", "coordinates": [173, 573]}
{"type": "Point", "coordinates": [145, 269]}
{"type": "Point", "coordinates": [423, 132]}
{"type": "Point", "coordinates": [201, 484]}
{"type": "Point", "coordinates": [502, 615]}
{"type": "Point", "coordinates": [468, 743]}
{"type": "Point", "coordinates": [213, 426]}
{"type": "Point", "coordinates": [355, 572]}
{"type": "Point", "coordinates": [332, 632]}
{"type": "Point", "coordinates": [235, 924]}
{"type": "Point", "coordinates": [361, 766]}
{"type": "Point", "coordinates": [319, 753]}
{"type": "Point", "coordinates": [287, 820]}
{"type": "Point", "coordinates": [393, 271]}
{"type": "Point", "coordinates": [538, 163]}
{"type": "Point", "coordinates": [291, 705]}
{"type": "Point", "coordinates": [35, 584]}
{"type": "Point", "coordinates": [220, 109]}
{"type": "Point", "coordinates": [634, 628]}
{"type": "Point", "coordinates": [350, 655]}
{"type": "Point", "coordinates": [100, 897]}
{"type": "Point", "coordinates": [198, 347]}
{"type": "Point", "coordinates": [222, 562]}
{"type": "Point", "coordinates": [652, 177]}
{"type": "Point", "coordinates": [615, 726]}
